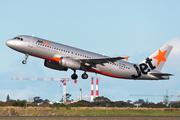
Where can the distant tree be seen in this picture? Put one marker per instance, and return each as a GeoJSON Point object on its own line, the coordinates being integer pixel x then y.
{"type": "Point", "coordinates": [101, 99]}
{"type": "Point", "coordinates": [67, 98]}
{"type": "Point", "coordinates": [140, 101]}
{"type": "Point", "coordinates": [45, 104]}
{"type": "Point", "coordinates": [19, 103]}
{"type": "Point", "coordinates": [46, 101]}
{"type": "Point", "coordinates": [8, 98]}
{"type": "Point", "coordinates": [175, 105]}
{"type": "Point", "coordinates": [37, 100]}
{"type": "Point", "coordinates": [153, 105]}
{"type": "Point", "coordinates": [82, 103]}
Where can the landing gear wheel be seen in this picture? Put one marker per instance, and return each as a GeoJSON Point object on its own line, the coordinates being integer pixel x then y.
{"type": "Point", "coordinates": [24, 62]}
{"type": "Point", "coordinates": [74, 76]}
{"type": "Point", "coordinates": [84, 76]}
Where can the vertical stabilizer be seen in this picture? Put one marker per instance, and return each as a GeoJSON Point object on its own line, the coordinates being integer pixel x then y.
{"type": "Point", "coordinates": [157, 59]}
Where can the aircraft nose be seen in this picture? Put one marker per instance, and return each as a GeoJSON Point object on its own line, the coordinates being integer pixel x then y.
{"type": "Point", "coordinates": [9, 43]}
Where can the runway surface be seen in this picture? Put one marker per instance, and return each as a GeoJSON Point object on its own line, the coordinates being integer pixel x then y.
{"type": "Point", "coordinates": [90, 117]}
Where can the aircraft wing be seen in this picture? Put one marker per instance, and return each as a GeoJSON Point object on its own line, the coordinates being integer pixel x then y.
{"type": "Point", "coordinates": [159, 75]}
{"type": "Point", "coordinates": [93, 62]}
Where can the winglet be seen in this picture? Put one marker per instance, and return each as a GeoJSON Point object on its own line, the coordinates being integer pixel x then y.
{"type": "Point", "coordinates": [127, 58]}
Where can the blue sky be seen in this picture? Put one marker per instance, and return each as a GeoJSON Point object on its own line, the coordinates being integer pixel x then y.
{"type": "Point", "coordinates": [114, 28]}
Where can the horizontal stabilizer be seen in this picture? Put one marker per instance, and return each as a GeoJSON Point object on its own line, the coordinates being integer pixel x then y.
{"type": "Point", "coordinates": [159, 75]}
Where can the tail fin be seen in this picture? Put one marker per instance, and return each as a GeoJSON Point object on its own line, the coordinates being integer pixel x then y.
{"type": "Point", "coordinates": [157, 59]}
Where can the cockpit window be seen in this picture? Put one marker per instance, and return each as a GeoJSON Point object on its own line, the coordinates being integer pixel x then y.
{"type": "Point", "coordinates": [18, 38]}
{"type": "Point", "coordinates": [15, 38]}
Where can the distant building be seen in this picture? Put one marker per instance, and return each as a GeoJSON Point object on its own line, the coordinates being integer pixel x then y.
{"type": "Point", "coordinates": [30, 100]}
{"type": "Point", "coordinates": [67, 103]}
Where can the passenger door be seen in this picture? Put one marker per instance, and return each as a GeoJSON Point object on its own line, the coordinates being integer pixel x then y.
{"type": "Point", "coordinates": [31, 42]}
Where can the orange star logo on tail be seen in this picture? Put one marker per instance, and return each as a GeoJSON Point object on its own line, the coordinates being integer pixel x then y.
{"type": "Point", "coordinates": [160, 57]}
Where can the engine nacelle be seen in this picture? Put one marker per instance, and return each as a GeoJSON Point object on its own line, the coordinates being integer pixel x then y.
{"type": "Point", "coordinates": [54, 65]}
{"type": "Point", "coordinates": [69, 63]}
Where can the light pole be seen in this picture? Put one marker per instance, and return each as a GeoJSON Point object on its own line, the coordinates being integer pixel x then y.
{"type": "Point", "coordinates": [26, 107]}
{"type": "Point", "coordinates": [106, 109]}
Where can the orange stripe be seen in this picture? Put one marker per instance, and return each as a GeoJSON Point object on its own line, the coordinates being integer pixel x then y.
{"type": "Point", "coordinates": [46, 43]}
{"type": "Point", "coordinates": [57, 59]}
{"type": "Point", "coordinates": [104, 73]}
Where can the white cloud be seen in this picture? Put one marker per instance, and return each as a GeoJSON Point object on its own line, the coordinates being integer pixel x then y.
{"type": "Point", "coordinates": [16, 94]}
{"type": "Point", "coordinates": [175, 53]}
{"type": "Point", "coordinates": [21, 94]}
{"type": "Point", "coordinates": [175, 42]}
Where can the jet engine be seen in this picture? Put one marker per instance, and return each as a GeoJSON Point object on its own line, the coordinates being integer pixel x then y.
{"type": "Point", "coordinates": [54, 65]}
{"type": "Point", "coordinates": [69, 63]}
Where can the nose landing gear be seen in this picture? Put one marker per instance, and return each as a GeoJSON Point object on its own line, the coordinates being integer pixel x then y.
{"type": "Point", "coordinates": [24, 61]}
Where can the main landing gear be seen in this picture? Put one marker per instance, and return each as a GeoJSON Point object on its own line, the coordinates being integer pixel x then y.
{"type": "Point", "coordinates": [24, 61]}
{"type": "Point", "coordinates": [74, 76]}
{"type": "Point", "coordinates": [84, 75]}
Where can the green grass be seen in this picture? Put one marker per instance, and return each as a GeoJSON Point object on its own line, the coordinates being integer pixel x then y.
{"type": "Point", "coordinates": [98, 112]}
{"type": "Point", "coordinates": [86, 119]}
{"type": "Point", "coordinates": [46, 111]}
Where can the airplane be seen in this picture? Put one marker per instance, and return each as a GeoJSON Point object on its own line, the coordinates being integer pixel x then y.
{"type": "Point", "coordinates": [62, 57]}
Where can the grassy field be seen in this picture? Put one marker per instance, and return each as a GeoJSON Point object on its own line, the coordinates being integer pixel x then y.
{"type": "Point", "coordinates": [87, 111]}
